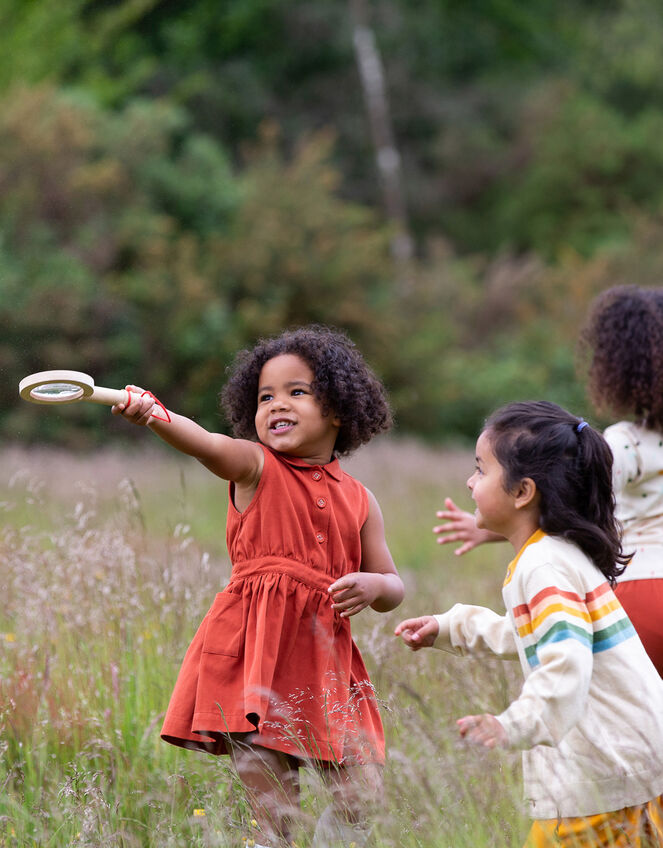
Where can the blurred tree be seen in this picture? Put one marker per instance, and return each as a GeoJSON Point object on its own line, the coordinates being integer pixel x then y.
{"type": "Point", "coordinates": [152, 220]}
{"type": "Point", "coordinates": [454, 71]}
{"type": "Point", "coordinates": [387, 157]}
{"type": "Point", "coordinates": [131, 251]}
{"type": "Point", "coordinates": [86, 198]}
{"type": "Point", "coordinates": [590, 167]}
{"type": "Point", "coordinates": [298, 253]}
{"type": "Point", "coordinates": [619, 58]}
{"type": "Point", "coordinates": [39, 40]}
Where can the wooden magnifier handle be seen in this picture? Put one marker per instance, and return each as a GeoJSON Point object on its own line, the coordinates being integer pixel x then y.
{"type": "Point", "coordinates": [109, 397]}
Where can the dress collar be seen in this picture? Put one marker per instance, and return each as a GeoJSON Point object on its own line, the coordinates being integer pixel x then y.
{"type": "Point", "coordinates": [332, 468]}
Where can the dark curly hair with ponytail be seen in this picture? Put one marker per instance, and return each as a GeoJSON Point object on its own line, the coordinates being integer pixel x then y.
{"type": "Point", "coordinates": [622, 342]}
{"type": "Point", "coordinates": [343, 384]}
{"type": "Point", "coordinates": [571, 465]}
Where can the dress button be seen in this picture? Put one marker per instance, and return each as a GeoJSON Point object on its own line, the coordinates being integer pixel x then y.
{"type": "Point", "coordinates": [317, 475]}
{"type": "Point", "coordinates": [321, 502]}
{"type": "Point", "coordinates": [320, 537]}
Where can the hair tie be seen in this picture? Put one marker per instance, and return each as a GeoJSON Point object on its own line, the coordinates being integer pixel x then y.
{"type": "Point", "coordinates": [581, 425]}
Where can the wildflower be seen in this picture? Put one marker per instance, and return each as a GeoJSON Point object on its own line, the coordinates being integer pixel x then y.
{"type": "Point", "coordinates": [199, 812]}
{"type": "Point", "coordinates": [10, 637]}
{"type": "Point", "coordinates": [254, 823]}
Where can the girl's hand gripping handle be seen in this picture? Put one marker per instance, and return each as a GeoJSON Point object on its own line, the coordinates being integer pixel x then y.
{"type": "Point", "coordinates": [140, 406]}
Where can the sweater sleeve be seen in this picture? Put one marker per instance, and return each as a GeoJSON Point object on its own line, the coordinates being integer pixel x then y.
{"type": "Point", "coordinates": [555, 629]}
{"type": "Point", "coordinates": [466, 629]}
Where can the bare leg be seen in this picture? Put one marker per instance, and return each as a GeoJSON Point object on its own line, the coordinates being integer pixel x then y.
{"type": "Point", "coordinates": [271, 781]}
{"type": "Point", "coordinates": [356, 792]}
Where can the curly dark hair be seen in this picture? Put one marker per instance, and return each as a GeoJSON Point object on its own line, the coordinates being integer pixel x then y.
{"type": "Point", "coordinates": [343, 383]}
{"type": "Point", "coordinates": [622, 342]}
{"type": "Point", "coordinates": [571, 464]}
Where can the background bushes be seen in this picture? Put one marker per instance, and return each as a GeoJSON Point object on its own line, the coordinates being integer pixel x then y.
{"type": "Point", "coordinates": [176, 181]}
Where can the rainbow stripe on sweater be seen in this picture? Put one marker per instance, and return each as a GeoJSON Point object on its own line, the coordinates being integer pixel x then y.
{"type": "Point", "coordinates": [597, 621]}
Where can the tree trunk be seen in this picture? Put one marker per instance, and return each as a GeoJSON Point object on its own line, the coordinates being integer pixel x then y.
{"type": "Point", "coordinates": [387, 157]}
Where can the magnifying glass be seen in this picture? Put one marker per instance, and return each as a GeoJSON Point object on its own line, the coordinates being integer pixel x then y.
{"type": "Point", "coordinates": [67, 387]}
{"type": "Point", "coordinates": [72, 386]}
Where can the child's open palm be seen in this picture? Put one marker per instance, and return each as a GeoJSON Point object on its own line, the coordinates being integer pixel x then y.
{"type": "Point", "coordinates": [461, 527]}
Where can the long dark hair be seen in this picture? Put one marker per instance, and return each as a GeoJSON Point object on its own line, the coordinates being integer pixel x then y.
{"type": "Point", "coordinates": [571, 464]}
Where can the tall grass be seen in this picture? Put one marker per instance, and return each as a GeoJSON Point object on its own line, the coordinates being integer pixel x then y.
{"type": "Point", "coordinates": [108, 563]}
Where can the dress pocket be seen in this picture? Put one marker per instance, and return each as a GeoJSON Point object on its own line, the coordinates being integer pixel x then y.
{"type": "Point", "coordinates": [225, 629]}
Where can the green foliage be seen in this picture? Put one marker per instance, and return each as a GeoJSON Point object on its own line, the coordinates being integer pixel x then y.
{"type": "Point", "coordinates": [133, 251]}
{"type": "Point", "coordinates": [620, 59]}
{"type": "Point", "coordinates": [297, 252]}
{"type": "Point", "coordinates": [25, 30]}
{"type": "Point", "coordinates": [177, 181]}
{"type": "Point", "coordinates": [591, 167]}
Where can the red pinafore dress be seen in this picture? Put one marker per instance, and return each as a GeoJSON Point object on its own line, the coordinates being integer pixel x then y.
{"type": "Point", "coordinates": [271, 657]}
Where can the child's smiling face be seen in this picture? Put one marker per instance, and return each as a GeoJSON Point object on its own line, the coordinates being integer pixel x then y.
{"type": "Point", "coordinates": [289, 417]}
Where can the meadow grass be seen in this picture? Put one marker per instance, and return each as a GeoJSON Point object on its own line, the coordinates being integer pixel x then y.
{"type": "Point", "coordinates": [109, 561]}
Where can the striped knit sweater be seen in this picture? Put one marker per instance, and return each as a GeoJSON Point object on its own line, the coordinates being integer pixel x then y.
{"type": "Point", "coordinates": [590, 713]}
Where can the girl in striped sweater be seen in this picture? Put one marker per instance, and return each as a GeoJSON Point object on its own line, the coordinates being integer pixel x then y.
{"type": "Point", "coordinates": [589, 717]}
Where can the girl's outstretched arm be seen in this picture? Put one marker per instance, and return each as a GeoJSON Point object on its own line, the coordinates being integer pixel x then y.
{"type": "Point", "coordinates": [461, 527]}
{"type": "Point", "coordinates": [232, 459]}
{"type": "Point", "coordinates": [377, 584]}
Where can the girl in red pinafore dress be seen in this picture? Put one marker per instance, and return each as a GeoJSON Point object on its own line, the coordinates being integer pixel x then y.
{"type": "Point", "coordinates": [272, 676]}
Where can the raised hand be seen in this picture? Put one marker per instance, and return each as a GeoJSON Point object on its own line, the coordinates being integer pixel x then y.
{"type": "Point", "coordinates": [461, 527]}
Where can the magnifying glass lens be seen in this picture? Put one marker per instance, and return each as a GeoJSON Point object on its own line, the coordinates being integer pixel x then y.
{"type": "Point", "coordinates": [56, 391]}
